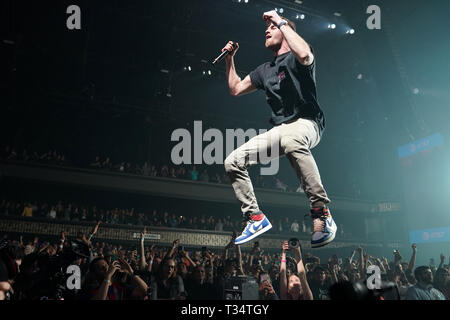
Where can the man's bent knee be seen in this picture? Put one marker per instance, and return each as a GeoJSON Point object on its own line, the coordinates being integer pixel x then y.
{"type": "Point", "coordinates": [233, 162]}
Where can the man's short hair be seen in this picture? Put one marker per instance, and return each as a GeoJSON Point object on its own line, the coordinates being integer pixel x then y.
{"type": "Point", "coordinates": [419, 271]}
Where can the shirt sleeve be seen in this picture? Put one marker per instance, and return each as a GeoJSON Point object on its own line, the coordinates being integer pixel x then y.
{"type": "Point", "coordinates": [257, 78]}
{"type": "Point", "coordinates": [311, 66]}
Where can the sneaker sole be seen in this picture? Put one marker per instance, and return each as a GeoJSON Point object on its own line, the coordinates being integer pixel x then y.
{"type": "Point", "coordinates": [324, 243]}
{"type": "Point", "coordinates": [256, 234]}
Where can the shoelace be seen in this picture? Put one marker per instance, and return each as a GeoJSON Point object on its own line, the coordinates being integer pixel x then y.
{"type": "Point", "coordinates": [318, 221]}
{"type": "Point", "coordinates": [319, 224]}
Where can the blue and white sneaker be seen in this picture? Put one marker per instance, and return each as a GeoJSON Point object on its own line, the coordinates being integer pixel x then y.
{"type": "Point", "coordinates": [324, 227]}
{"type": "Point", "coordinates": [254, 229]}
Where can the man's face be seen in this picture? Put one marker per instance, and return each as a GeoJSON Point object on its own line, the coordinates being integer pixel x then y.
{"type": "Point", "coordinates": [274, 37]}
{"type": "Point", "coordinates": [101, 268]}
{"type": "Point", "coordinates": [320, 275]}
{"type": "Point", "coordinates": [427, 276]}
{"type": "Point", "coordinates": [169, 268]}
{"type": "Point", "coordinates": [199, 274]}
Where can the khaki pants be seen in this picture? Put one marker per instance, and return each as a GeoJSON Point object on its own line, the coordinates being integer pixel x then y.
{"type": "Point", "coordinates": [294, 140]}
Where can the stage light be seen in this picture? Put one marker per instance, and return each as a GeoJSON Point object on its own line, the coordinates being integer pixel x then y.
{"type": "Point", "coordinates": [189, 68]}
{"type": "Point", "coordinates": [281, 10]}
{"type": "Point", "coordinates": [302, 16]}
{"type": "Point", "coordinates": [333, 26]}
{"type": "Point", "coordinates": [209, 72]}
{"type": "Point", "coordinates": [246, 1]}
{"type": "Point", "coordinates": [350, 31]}
{"type": "Point", "coordinates": [204, 72]}
{"type": "Point", "coordinates": [416, 91]}
{"type": "Point", "coordinates": [360, 76]}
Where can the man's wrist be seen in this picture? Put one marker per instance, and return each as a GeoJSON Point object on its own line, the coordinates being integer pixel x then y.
{"type": "Point", "coordinates": [281, 23]}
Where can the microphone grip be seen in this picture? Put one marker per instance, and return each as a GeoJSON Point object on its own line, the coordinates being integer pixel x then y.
{"type": "Point", "coordinates": [223, 54]}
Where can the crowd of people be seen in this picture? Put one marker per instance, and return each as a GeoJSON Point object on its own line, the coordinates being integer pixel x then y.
{"type": "Point", "coordinates": [211, 174]}
{"type": "Point", "coordinates": [50, 157]}
{"type": "Point", "coordinates": [74, 213]}
{"type": "Point", "coordinates": [36, 270]}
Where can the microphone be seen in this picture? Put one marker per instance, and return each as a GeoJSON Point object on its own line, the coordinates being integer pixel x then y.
{"type": "Point", "coordinates": [223, 55]}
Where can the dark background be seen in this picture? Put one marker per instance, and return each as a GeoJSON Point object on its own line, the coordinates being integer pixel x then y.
{"type": "Point", "coordinates": [99, 90]}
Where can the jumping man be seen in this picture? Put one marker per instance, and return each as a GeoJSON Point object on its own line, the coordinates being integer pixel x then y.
{"type": "Point", "coordinates": [289, 83]}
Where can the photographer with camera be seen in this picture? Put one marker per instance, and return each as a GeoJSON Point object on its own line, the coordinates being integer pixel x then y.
{"type": "Point", "coordinates": [294, 287]}
{"type": "Point", "coordinates": [102, 281]}
{"type": "Point", "coordinates": [266, 290]}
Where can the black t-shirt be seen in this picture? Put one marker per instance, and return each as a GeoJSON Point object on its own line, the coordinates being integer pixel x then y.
{"type": "Point", "coordinates": [290, 89]}
{"type": "Point", "coordinates": [320, 291]}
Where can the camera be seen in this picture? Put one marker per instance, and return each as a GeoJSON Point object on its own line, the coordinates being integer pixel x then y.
{"type": "Point", "coordinates": [294, 243]}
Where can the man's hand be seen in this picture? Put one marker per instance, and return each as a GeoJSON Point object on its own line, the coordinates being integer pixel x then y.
{"type": "Point", "coordinates": [266, 285]}
{"type": "Point", "coordinates": [272, 17]}
{"type": "Point", "coordinates": [113, 267]}
{"type": "Point", "coordinates": [176, 243]}
{"type": "Point", "coordinates": [414, 247]}
{"type": "Point", "coordinates": [442, 258]}
{"type": "Point", "coordinates": [285, 247]}
{"type": "Point", "coordinates": [125, 266]}
{"type": "Point", "coordinates": [229, 47]}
